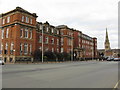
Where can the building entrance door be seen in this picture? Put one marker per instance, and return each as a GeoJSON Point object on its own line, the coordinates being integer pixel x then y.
{"type": "Point", "coordinates": [11, 59]}
{"type": "Point", "coordinates": [5, 59]}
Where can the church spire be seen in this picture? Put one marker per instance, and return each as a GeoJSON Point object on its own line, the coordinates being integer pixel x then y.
{"type": "Point", "coordinates": [106, 39]}
{"type": "Point", "coordinates": [107, 43]}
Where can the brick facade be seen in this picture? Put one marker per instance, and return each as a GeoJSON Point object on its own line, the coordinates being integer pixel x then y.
{"type": "Point", "coordinates": [21, 35]}
{"type": "Point", "coordinates": [14, 28]}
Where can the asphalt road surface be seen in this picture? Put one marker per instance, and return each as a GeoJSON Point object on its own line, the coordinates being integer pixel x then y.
{"type": "Point", "coordinates": [91, 74]}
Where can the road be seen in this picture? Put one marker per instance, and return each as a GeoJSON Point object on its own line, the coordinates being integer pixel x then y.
{"type": "Point", "coordinates": [91, 74]}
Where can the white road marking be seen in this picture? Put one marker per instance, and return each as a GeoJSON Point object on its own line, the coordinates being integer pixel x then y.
{"type": "Point", "coordinates": [116, 85]}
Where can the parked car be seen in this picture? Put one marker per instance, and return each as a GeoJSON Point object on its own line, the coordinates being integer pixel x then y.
{"type": "Point", "coordinates": [116, 59]}
{"type": "Point", "coordinates": [110, 59]}
{"type": "Point", "coordinates": [1, 62]}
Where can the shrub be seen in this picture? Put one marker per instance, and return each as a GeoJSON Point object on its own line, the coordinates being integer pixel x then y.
{"type": "Point", "coordinates": [37, 55]}
{"type": "Point", "coordinates": [50, 56]}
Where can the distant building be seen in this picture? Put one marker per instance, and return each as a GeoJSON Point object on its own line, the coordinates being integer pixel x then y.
{"type": "Point", "coordinates": [84, 45]}
{"type": "Point", "coordinates": [108, 52]}
{"type": "Point", "coordinates": [107, 43]}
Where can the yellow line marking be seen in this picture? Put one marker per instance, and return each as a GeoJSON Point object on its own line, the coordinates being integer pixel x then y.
{"type": "Point", "coordinates": [116, 85]}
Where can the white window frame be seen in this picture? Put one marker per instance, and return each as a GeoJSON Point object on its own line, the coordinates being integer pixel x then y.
{"type": "Point", "coordinates": [21, 49]}
{"type": "Point", "coordinates": [30, 49]}
{"type": "Point", "coordinates": [6, 46]}
{"type": "Point", "coordinates": [3, 21]}
{"type": "Point", "coordinates": [30, 34]}
{"type": "Point", "coordinates": [21, 32]}
{"type": "Point", "coordinates": [23, 18]}
{"type": "Point", "coordinates": [52, 30]}
{"type": "Point", "coordinates": [57, 41]}
{"type": "Point", "coordinates": [57, 31]}
{"type": "Point", "coordinates": [57, 49]}
{"type": "Point", "coordinates": [47, 28]}
{"type": "Point", "coordinates": [40, 39]}
{"type": "Point", "coordinates": [61, 32]}
{"type": "Point", "coordinates": [2, 33]}
{"type": "Point", "coordinates": [1, 48]}
{"type": "Point", "coordinates": [52, 41]}
{"type": "Point", "coordinates": [46, 39]}
{"type": "Point", "coordinates": [26, 33]}
{"type": "Point", "coordinates": [25, 48]}
{"type": "Point", "coordinates": [69, 41]}
{"type": "Point", "coordinates": [62, 50]}
{"type": "Point", "coordinates": [27, 19]}
{"type": "Point", "coordinates": [11, 48]}
{"type": "Point", "coordinates": [7, 32]}
{"type": "Point", "coordinates": [40, 27]}
{"type": "Point", "coordinates": [31, 21]}
{"type": "Point", "coordinates": [62, 41]}
{"type": "Point", "coordinates": [52, 49]}
{"type": "Point", "coordinates": [8, 19]}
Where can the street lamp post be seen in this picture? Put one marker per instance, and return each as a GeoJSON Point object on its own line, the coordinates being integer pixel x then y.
{"type": "Point", "coordinates": [92, 52]}
{"type": "Point", "coordinates": [14, 55]}
{"type": "Point", "coordinates": [71, 50]}
{"type": "Point", "coordinates": [42, 44]}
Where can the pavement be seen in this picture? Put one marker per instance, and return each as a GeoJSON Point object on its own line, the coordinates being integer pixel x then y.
{"type": "Point", "coordinates": [90, 74]}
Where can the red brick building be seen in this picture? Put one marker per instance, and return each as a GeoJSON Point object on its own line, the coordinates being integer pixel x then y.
{"type": "Point", "coordinates": [21, 35]}
{"type": "Point", "coordinates": [51, 37]}
{"type": "Point", "coordinates": [18, 34]}
{"type": "Point", "coordinates": [84, 45]}
{"type": "Point", "coordinates": [66, 38]}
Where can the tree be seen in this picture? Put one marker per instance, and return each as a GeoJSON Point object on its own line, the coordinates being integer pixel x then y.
{"type": "Point", "coordinates": [66, 56]}
{"type": "Point", "coordinates": [37, 55]}
{"type": "Point", "coordinates": [59, 56]}
{"type": "Point", "coordinates": [50, 55]}
{"type": "Point", "coordinates": [118, 55]}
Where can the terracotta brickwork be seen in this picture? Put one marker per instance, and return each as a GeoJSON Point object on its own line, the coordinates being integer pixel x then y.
{"type": "Point", "coordinates": [21, 35]}
{"type": "Point", "coordinates": [16, 31]}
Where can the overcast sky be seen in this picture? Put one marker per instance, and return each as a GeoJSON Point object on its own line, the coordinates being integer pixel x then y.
{"type": "Point", "coordinates": [89, 16]}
